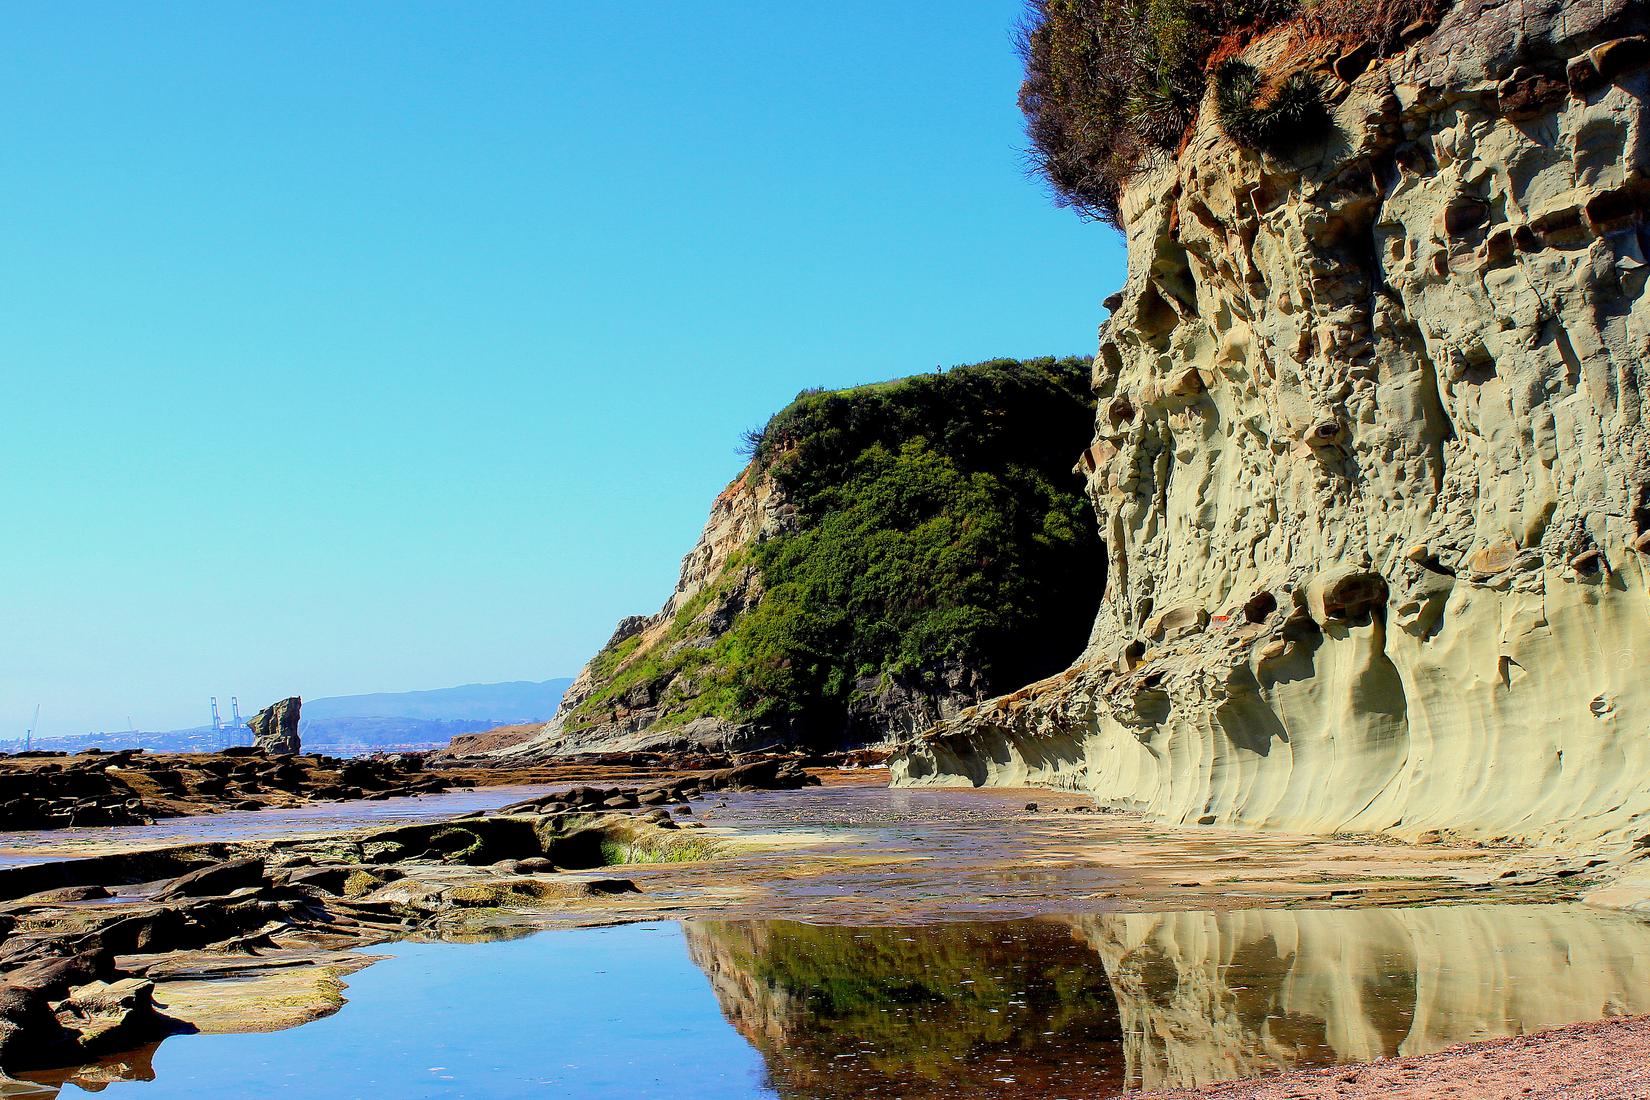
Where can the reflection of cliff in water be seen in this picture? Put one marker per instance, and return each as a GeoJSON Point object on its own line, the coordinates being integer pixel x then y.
{"type": "Point", "coordinates": [1212, 996]}
{"type": "Point", "coordinates": [1101, 1003]}
{"type": "Point", "coordinates": [981, 1010]}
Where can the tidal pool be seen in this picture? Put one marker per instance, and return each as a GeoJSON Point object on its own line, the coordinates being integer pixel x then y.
{"type": "Point", "coordinates": [1091, 1005]}
{"type": "Point", "coordinates": [43, 845]}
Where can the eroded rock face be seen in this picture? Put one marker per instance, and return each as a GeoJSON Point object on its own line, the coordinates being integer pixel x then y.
{"type": "Point", "coordinates": [275, 728]}
{"type": "Point", "coordinates": [1370, 460]}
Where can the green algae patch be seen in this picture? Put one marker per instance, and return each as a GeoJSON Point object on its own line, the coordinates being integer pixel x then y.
{"type": "Point", "coordinates": [534, 891]}
{"type": "Point", "coordinates": [584, 842]}
{"type": "Point", "coordinates": [362, 882]}
{"type": "Point", "coordinates": [617, 852]}
{"type": "Point", "coordinates": [626, 842]}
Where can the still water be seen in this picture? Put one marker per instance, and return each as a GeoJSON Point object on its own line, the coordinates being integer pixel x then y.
{"type": "Point", "coordinates": [44, 845]}
{"type": "Point", "coordinates": [1095, 1005]}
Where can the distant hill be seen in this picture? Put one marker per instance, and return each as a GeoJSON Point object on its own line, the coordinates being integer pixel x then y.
{"type": "Point", "coordinates": [355, 735]}
{"type": "Point", "coordinates": [500, 704]}
{"type": "Point", "coordinates": [349, 725]}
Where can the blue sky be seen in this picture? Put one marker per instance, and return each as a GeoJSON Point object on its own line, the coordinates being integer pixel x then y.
{"type": "Point", "coordinates": [366, 347]}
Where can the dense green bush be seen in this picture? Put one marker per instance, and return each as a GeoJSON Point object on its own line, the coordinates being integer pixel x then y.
{"type": "Point", "coordinates": [939, 527]}
{"type": "Point", "coordinates": [1111, 84]}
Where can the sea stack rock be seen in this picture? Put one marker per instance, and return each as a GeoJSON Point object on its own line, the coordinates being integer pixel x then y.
{"type": "Point", "coordinates": [275, 728]}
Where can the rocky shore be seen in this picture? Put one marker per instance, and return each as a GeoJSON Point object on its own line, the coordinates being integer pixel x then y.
{"type": "Point", "coordinates": [94, 950]}
{"type": "Point", "coordinates": [105, 956]}
{"type": "Point", "coordinates": [46, 790]}
{"type": "Point", "coordinates": [54, 790]}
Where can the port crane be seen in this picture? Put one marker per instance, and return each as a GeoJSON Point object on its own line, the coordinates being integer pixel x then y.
{"type": "Point", "coordinates": [225, 731]}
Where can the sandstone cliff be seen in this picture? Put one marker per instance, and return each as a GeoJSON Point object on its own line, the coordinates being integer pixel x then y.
{"type": "Point", "coordinates": [892, 554]}
{"type": "Point", "coordinates": [1370, 461]}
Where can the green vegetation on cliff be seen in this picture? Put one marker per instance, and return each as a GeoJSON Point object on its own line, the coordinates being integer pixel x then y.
{"type": "Point", "coordinates": [941, 546]}
{"type": "Point", "coordinates": [1112, 84]}
{"type": "Point", "coordinates": [946, 1009]}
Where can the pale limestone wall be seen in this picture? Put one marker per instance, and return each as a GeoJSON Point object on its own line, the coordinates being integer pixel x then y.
{"type": "Point", "coordinates": [1205, 997]}
{"type": "Point", "coordinates": [1370, 462]}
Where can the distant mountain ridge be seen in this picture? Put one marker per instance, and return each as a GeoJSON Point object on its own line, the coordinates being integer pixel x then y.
{"type": "Point", "coordinates": [502, 703]}
{"type": "Point", "coordinates": [349, 725]}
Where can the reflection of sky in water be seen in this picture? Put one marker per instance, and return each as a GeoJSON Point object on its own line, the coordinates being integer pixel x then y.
{"type": "Point", "coordinates": [597, 1013]}
{"type": "Point", "coordinates": [1087, 1006]}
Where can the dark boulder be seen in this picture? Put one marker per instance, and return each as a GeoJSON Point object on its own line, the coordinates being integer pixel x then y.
{"type": "Point", "coordinates": [760, 775]}
{"type": "Point", "coordinates": [215, 881]}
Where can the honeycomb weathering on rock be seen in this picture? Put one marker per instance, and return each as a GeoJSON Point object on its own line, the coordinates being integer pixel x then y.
{"type": "Point", "coordinates": [1416, 455]}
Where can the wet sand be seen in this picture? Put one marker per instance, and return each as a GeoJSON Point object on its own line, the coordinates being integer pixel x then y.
{"type": "Point", "coordinates": [869, 854]}
{"type": "Point", "coordinates": [1604, 1060]}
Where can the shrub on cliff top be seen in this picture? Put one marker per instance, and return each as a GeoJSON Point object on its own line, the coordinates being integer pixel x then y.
{"type": "Point", "coordinates": [1272, 118]}
{"type": "Point", "coordinates": [1111, 84]}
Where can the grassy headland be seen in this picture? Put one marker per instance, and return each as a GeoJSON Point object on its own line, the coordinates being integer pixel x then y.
{"type": "Point", "coordinates": [941, 545]}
